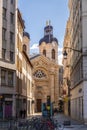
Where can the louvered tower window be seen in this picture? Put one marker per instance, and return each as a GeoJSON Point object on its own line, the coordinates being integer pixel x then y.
{"type": "Point", "coordinates": [44, 52]}
{"type": "Point", "coordinates": [53, 54]}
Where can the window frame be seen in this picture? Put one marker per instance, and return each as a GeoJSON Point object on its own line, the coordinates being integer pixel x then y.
{"type": "Point", "coordinates": [11, 18]}
{"type": "Point", "coordinates": [4, 12]}
{"type": "Point", "coordinates": [3, 77]}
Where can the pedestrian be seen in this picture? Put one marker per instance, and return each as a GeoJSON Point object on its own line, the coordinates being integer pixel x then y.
{"type": "Point", "coordinates": [24, 112]}
{"type": "Point", "coordinates": [21, 113]}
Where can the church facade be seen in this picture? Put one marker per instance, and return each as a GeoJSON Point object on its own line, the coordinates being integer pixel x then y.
{"type": "Point", "coordinates": [45, 70]}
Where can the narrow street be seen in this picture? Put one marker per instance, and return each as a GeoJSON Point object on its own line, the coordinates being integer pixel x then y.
{"type": "Point", "coordinates": [74, 124]}
{"type": "Point", "coordinates": [70, 124]}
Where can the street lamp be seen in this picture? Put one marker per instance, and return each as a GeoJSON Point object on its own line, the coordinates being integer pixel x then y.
{"type": "Point", "coordinates": [65, 52]}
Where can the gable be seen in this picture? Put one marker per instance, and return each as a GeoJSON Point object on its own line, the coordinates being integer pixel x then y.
{"type": "Point", "coordinates": [42, 61]}
{"type": "Point", "coordinates": [43, 67]}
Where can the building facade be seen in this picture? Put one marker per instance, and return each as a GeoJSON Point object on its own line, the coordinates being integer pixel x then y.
{"type": "Point", "coordinates": [25, 83]}
{"type": "Point", "coordinates": [8, 16]}
{"type": "Point", "coordinates": [45, 70]}
{"type": "Point", "coordinates": [16, 83]}
{"type": "Point", "coordinates": [61, 101]}
{"type": "Point", "coordinates": [66, 68]}
{"type": "Point", "coordinates": [77, 62]}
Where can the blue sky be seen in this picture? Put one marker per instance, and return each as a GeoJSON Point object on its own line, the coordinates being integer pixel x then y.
{"type": "Point", "coordinates": [35, 14]}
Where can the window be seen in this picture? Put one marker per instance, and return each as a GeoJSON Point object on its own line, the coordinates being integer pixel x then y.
{"type": "Point", "coordinates": [10, 78]}
{"type": "Point", "coordinates": [3, 53]}
{"type": "Point", "coordinates": [4, 13]}
{"type": "Point", "coordinates": [24, 48]}
{"type": "Point", "coordinates": [53, 54]}
{"type": "Point", "coordinates": [39, 74]}
{"type": "Point", "coordinates": [11, 18]}
{"type": "Point", "coordinates": [4, 34]}
{"type": "Point", "coordinates": [3, 77]}
{"type": "Point", "coordinates": [12, 1]}
{"type": "Point", "coordinates": [11, 56]}
{"type": "Point", "coordinates": [44, 52]}
{"type": "Point", "coordinates": [7, 77]}
{"type": "Point", "coordinates": [11, 37]}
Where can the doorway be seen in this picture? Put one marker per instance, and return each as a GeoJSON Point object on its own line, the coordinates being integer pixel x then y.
{"type": "Point", "coordinates": [39, 102]}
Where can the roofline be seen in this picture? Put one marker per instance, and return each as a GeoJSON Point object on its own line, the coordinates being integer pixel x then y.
{"type": "Point", "coordinates": [25, 54]}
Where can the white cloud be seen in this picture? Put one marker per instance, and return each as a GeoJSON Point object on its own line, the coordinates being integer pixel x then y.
{"type": "Point", "coordinates": [60, 49]}
{"type": "Point", "coordinates": [60, 57]}
{"type": "Point", "coordinates": [34, 46]}
{"type": "Point", "coordinates": [34, 49]}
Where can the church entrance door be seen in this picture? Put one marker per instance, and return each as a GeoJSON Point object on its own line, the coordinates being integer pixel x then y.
{"type": "Point", "coordinates": [39, 102]}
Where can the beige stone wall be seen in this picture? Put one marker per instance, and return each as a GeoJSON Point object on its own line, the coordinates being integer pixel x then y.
{"type": "Point", "coordinates": [47, 85]}
{"type": "Point", "coordinates": [26, 41]}
{"type": "Point", "coordinates": [48, 47]}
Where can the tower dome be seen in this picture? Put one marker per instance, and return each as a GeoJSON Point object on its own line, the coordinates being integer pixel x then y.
{"type": "Point", "coordinates": [48, 35]}
{"type": "Point", "coordinates": [48, 45]}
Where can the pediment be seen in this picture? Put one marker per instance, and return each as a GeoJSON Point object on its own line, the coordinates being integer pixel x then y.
{"type": "Point", "coordinates": [40, 61]}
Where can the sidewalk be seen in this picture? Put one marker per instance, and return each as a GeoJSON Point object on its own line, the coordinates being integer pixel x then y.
{"type": "Point", "coordinates": [74, 124]}
{"type": "Point", "coordinates": [61, 118]}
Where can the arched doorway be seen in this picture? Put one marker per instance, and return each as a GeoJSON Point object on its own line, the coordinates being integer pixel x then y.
{"type": "Point", "coordinates": [39, 104]}
{"type": "Point", "coordinates": [41, 89]}
{"type": "Point", "coordinates": [39, 100]}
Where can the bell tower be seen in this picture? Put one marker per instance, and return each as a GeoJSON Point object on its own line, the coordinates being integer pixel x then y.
{"type": "Point", "coordinates": [48, 45]}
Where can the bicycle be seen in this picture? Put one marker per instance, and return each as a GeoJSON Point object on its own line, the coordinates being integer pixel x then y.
{"type": "Point", "coordinates": [58, 125]}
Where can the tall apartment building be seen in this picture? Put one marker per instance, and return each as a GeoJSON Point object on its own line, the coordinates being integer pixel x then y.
{"type": "Point", "coordinates": [8, 17]}
{"type": "Point", "coordinates": [77, 61]}
{"type": "Point", "coordinates": [16, 83]}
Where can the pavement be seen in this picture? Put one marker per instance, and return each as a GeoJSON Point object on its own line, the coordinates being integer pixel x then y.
{"type": "Point", "coordinates": [72, 124]}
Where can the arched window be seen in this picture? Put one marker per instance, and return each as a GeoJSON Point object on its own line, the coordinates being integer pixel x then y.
{"type": "Point", "coordinates": [53, 54]}
{"type": "Point", "coordinates": [39, 74]}
{"type": "Point", "coordinates": [24, 48]}
{"type": "Point", "coordinates": [44, 52]}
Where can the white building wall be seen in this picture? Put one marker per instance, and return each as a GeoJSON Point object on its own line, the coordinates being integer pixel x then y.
{"type": "Point", "coordinates": [84, 24]}
{"type": "Point", "coordinates": [85, 101]}
{"type": "Point", "coordinates": [77, 107]}
{"type": "Point", "coordinates": [7, 64]}
{"type": "Point", "coordinates": [84, 38]}
{"type": "Point", "coordinates": [0, 28]}
{"type": "Point", "coordinates": [79, 91]}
